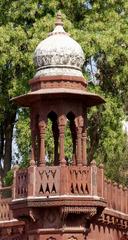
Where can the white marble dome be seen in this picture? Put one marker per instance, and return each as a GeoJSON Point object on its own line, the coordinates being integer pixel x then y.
{"type": "Point", "coordinates": [59, 54]}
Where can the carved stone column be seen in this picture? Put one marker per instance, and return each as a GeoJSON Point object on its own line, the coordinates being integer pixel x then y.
{"type": "Point", "coordinates": [84, 153]}
{"type": "Point", "coordinates": [73, 133]}
{"type": "Point", "coordinates": [79, 146]}
{"type": "Point", "coordinates": [84, 139]}
{"type": "Point", "coordinates": [42, 128]}
{"type": "Point", "coordinates": [56, 142]}
{"type": "Point", "coordinates": [33, 134]}
{"type": "Point", "coordinates": [61, 124]}
{"type": "Point", "coordinates": [79, 126]}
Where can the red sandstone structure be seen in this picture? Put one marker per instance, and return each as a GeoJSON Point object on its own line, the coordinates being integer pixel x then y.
{"type": "Point", "coordinates": [66, 200]}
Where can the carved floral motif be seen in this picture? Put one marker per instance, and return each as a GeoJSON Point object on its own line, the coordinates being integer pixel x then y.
{"type": "Point", "coordinates": [49, 181]}
{"type": "Point", "coordinates": [59, 51]}
{"type": "Point", "coordinates": [73, 60]}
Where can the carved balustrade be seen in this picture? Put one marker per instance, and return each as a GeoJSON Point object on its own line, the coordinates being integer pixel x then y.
{"type": "Point", "coordinates": [116, 196]}
{"type": "Point", "coordinates": [20, 188]}
{"type": "Point", "coordinates": [70, 180]}
{"type": "Point", "coordinates": [10, 228]}
{"type": "Point", "coordinates": [79, 180]}
{"type": "Point", "coordinates": [47, 181]}
{"type": "Point", "coordinates": [5, 199]}
{"type": "Point", "coordinates": [55, 180]}
{"type": "Point", "coordinates": [5, 213]}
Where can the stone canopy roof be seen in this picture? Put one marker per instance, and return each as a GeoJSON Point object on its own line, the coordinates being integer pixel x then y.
{"type": "Point", "coordinates": [59, 60]}
{"type": "Point", "coordinates": [59, 54]}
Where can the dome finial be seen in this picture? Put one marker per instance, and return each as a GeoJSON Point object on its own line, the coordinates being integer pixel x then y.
{"type": "Point", "coordinates": [59, 21]}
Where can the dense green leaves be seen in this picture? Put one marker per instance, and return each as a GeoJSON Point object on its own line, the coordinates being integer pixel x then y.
{"type": "Point", "coordinates": [107, 143]}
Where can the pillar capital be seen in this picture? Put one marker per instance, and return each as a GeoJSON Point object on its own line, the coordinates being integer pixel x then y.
{"type": "Point", "coordinates": [79, 122]}
{"type": "Point", "coordinates": [42, 126]}
{"type": "Point", "coordinates": [62, 120]}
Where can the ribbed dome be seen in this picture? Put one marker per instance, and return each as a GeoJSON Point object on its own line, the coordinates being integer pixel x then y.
{"type": "Point", "coordinates": [59, 60]}
{"type": "Point", "coordinates": [59, 54]}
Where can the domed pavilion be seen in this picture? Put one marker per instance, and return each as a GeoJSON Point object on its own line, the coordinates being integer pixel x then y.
{"type": "Point", "coordinates": [59, 92]}
{"type": "Point", "coordinates": [58, 201]}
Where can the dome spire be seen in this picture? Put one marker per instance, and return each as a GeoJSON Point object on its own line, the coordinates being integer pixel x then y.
{"type": "Point", "coordinates": [59, 21]}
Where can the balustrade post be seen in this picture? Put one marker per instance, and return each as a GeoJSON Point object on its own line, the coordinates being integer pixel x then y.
{"type": "Point", "coordinates": [93, 178]}
{"type": "Point", "coordinates": [62, 123]}
{"type": "Point", "coordinates": [109, 193]}
{"type": "Point", "coordinates": [101, 179]}
{"type": "Point", "coordinates": [123, 200]}
{"type": "Point", "coordinates": [114, 198]}
{"type": "Point", "coordinates": [64, 180]}
{"type": "Point", "coordinates": [120, 197]}
{"type": "Point", "coordinates": [31, 180]}
{"type": "Point", "coordinates": [105, 189]}
{"type": "Point", "coordinates": [14, 188]}
{"type": "Point", "coordinates": [42, 128]}
{"type": "Point", "coordinates": [112, 194]}
{"type": "Point", "coordinates": [126, 199]}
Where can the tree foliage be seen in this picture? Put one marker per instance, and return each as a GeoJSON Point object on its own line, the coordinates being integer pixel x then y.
{"type": "Point", "coordinates": [107, 143]}
{"type": "Point", "coordinates": [101, 29]}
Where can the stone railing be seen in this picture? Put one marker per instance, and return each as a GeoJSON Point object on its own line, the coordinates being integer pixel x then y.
{"type": "Point", "coordinates": [44, 181]}
{"type": "Point", "coordinates": [116, 196]}
{"type": "Point", "coordinates": [69, 180]}
{"type": "Point", "coordinates": [10, 228]}
{"type": "Point", "coordinates": [79, 180]}
{"type": "Point", "coordinates": [5, 199]}
{"type": "Point", "coordinates": [21, 183]}
{"type": "Point", "coordinates": [5, 213]}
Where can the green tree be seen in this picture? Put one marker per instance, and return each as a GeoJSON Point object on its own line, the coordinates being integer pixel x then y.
{"type": "Point", "coordinates": [107, 143]}
{"type": "Point", "coordinates": [19, 35]}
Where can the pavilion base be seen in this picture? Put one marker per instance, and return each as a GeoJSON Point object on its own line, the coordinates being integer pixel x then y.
{"type": "Point", "coordinates": [61, 234]}
{"type": "Point", "coordinates": [58, 218]}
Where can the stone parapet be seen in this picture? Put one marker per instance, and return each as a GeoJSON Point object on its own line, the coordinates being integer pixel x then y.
{"type": "Point", "coordinates": [70, 180]}
{"type": "Point", "coordinates": [53, 181]}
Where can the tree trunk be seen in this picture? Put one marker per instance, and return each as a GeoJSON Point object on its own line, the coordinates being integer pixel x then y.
{"type": "Point", "coordinates": [1, 142]}
{"type": "Point", "coordinates": [8, 135]}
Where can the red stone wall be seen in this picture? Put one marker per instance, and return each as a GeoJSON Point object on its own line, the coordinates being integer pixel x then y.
{"type": "Point", "coordinates": [104, 233]}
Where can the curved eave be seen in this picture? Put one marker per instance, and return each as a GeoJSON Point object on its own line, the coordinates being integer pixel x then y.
{"type": "Point", "coordinates": [89, 99]}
